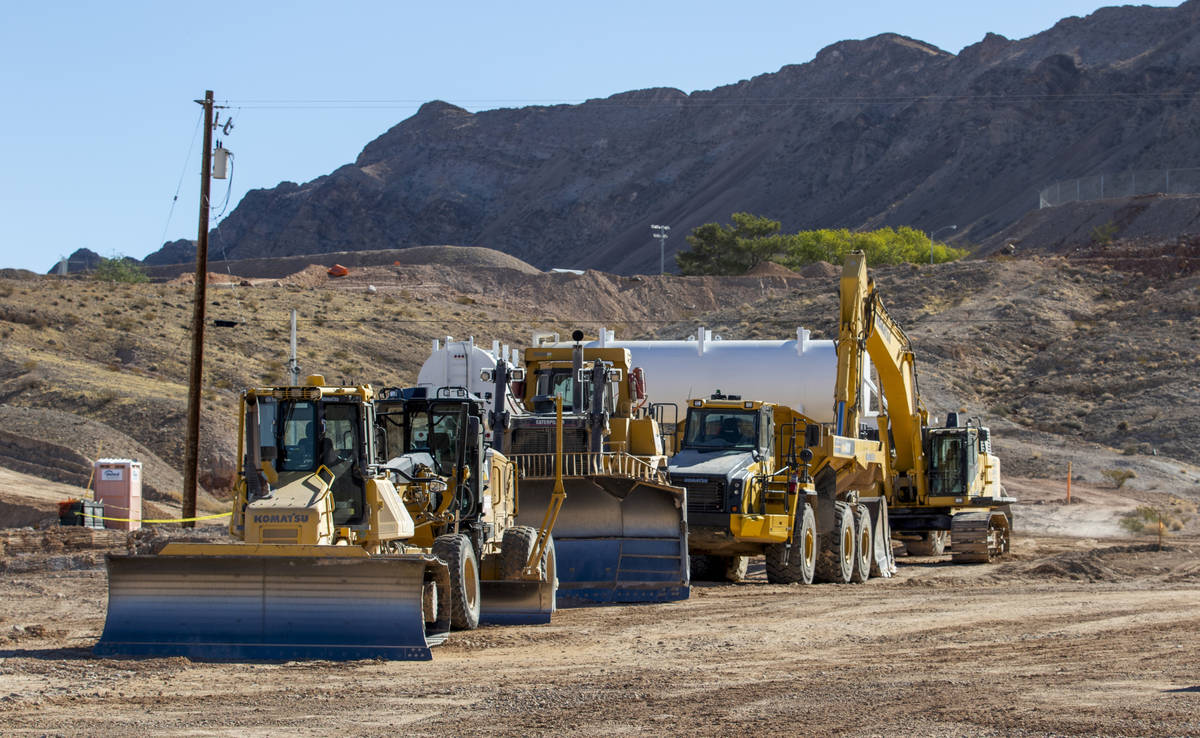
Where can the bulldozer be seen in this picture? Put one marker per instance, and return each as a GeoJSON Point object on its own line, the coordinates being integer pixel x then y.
{"type": "Point", "coordinates": [622, 529]}
{"type": "Point", "coordinates": [339, 556]}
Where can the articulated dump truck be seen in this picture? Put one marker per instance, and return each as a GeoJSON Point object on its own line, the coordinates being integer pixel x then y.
{"type": "Point", "coordinates": [748, 467]}
{"type": "Point", "coordinates": [341, 554]}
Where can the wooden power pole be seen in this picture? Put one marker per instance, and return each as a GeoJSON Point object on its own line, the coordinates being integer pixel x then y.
{"type": "Point", "coordinates": [191, 456]}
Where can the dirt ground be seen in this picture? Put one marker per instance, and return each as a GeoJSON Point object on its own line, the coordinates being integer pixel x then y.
{"type": "Point", "coordinates": [1068, 637]}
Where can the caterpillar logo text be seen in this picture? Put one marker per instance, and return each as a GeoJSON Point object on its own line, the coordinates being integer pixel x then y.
{"type": "Point", "coordinates": [281, 518]}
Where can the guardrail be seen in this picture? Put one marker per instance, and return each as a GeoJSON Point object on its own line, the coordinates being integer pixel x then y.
{"type": "Point", "coordinates": [583, 464]}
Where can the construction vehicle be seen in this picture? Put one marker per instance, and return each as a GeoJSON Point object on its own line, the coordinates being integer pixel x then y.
{"type": "Point", "coordinates": [445, 435]}
{"type": "Point", "coordinates": [939, 481]}
{"type": "Point", "coordinates": [339, 556]}
{"type": "Point", "coordinates": [751, 491]}
{"type": "Point", "coordinates": [620, 529]}
{"type": "Point", "coordinates": [621, 532]}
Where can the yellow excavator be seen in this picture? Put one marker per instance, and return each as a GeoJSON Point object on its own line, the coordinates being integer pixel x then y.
{"type": "Point", "coordinates": [342, 555]}
{"type": "Point", "coordinates": [940, 482]}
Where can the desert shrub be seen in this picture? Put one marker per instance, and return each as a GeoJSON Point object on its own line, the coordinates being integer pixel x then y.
{"type": "Point", "coordinates": [1104, 234]}
{"type": "Point", "coordinates": [120, 269]}
{"type": "Point", "coordinates": [1145, 519]}
{"type": "Point", "coordinates": [1118, 477]}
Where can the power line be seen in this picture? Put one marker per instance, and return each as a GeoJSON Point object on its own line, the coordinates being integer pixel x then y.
{"type": "Point", "coordinates": [708, 99]}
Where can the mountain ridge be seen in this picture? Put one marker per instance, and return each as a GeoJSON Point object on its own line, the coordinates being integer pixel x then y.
{"type": "Point", "coordinates": [887, 130]}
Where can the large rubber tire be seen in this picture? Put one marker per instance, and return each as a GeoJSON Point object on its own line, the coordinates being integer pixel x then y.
{"type": "Point", "coordinates": [707, 568]}
{"type": "Point", "coordinates": [735, 568]}
{"type": "Point", "coordinates": [865, 547]}
{"type": "Point", "coordinates": [932, 543]}
{"type": "Point", "coordinates": [459, 555]}
{"type": "Point", "coordinates": [801, 559]}
{"type": "Point", "coordinates": [835, 562]}
{"type": "Point", "coordinates": [515, 549]}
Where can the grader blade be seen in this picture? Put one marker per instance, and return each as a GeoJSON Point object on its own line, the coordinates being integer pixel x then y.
{"type": "Point", "coordinates": [248, 607]}
{"type": "Point", "coordinates": [508, 602]}
{"type": "Point", "coordinates": [619, 540]}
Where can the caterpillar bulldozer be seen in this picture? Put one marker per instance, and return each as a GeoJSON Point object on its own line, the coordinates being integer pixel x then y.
{"type": "Point", "coordinates": [340, 555]}
{"type": "Point", "coordinates": [942, 483]}
{"type": "Point", "coordinates": [621, 532]}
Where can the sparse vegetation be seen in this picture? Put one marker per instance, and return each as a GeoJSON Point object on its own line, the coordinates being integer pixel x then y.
{"type": "Point", "coordinates": [1118, 477]}
{"type": "Point", "coordinates": [751, 240]}
{"type": "Point", "coordinates": [1146, 519]}
{"type": "Point", "coordinates": [119, 269]}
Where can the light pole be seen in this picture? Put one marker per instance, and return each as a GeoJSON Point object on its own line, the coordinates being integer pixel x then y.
{"type": "Point", "coordinates": [934, 235]}
{"type": "Point", "coordinates": [660, 232]}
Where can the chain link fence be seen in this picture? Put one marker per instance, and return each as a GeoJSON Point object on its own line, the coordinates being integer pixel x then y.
{"type": "Point", "coordinates": [1122, 184]}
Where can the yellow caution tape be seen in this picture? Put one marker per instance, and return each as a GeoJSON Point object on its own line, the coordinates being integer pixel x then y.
{"type": "Point", "coordinates": [148, 520]}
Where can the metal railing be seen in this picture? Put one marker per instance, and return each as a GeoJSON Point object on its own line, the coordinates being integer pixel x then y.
{"type": "Point", "coordinates": [1121, 184]}
{"type": "Point", "coordinates": [583, 464]}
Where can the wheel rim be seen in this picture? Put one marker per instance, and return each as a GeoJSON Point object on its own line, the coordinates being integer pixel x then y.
{"type": "Point", "coordinates": [847, 546]}
{"type": "Point", "coordinates": [470, 581]}
{"type": "Point", "coordinates": [810, 548]}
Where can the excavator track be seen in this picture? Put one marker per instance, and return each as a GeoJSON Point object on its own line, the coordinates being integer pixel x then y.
{"type": "Point", "coordinates": [975, 540]}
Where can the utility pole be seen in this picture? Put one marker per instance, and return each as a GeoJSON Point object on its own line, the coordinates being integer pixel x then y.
{"type": "Point", "coordinates": [660, 232]}
{"type": "Point", "coordinates": [191, 456]}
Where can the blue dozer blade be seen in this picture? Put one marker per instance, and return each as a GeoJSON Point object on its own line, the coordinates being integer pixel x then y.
{"type": "Point", "coordinates": [617, 541]}
{"type": "Point", "coordinates": [268, 607]}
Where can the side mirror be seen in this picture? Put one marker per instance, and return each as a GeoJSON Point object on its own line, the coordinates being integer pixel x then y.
{"type": "Point", "coordinates": [812, 435]}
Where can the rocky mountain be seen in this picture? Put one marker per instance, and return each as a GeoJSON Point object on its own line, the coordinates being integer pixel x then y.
{"type": "Point", "coordinates": [882, 131]}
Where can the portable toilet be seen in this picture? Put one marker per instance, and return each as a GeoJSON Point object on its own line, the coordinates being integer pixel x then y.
{"type": "Point", "coordinates": [118, 484]}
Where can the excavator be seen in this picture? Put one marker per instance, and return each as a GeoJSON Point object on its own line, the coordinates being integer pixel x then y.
{"type": "Point", "coordinates": [340, 554]}
{"type": "Point", "coordinates": [939, 481]}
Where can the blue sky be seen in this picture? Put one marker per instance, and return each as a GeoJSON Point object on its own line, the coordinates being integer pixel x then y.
{"type": "Point", "coordinates": [98, 113]}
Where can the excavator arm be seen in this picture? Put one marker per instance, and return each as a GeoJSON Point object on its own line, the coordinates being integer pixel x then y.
{"type": "Point", "coordinates": [866, 324]}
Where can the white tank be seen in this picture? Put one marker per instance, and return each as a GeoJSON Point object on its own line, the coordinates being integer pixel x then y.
{"type": "Point", "coordinates": [460, 364]}
{"type": "Point", "coordinates": [798, 373]}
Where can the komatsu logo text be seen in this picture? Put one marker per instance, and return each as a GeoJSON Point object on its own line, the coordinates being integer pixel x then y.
{"type": "Point", "coordinates": [281, 518]}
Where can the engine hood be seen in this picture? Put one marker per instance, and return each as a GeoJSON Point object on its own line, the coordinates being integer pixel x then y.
{"type": "Point", "coordinates": [709, 463]}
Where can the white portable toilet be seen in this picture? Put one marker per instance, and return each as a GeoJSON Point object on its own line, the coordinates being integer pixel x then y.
{"type": "Point", "coordinates": [118, 484]}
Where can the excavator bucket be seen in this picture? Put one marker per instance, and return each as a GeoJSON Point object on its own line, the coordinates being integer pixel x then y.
{"type": "Point", "coordinates": [240, 602]}
{"type": "Point", "coordinates": [618, 539]}
{"type": "Point", "coordinates": [506, 602]}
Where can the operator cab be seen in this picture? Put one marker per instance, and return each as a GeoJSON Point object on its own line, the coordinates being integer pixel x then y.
{"type": "Point", "coordinates": [560, 382]}
{"type": "Point", "coordinates": [300, 436]}
{"type": "Point", "coordinates": [954, 457]}
{"type": "Point", "coordinates": [444, 431]}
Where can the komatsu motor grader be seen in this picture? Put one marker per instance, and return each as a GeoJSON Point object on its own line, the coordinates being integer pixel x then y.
{"type": "Point", "coordinates": [341, 556]}
{"type": "Point", "coordinates": [622, 530]}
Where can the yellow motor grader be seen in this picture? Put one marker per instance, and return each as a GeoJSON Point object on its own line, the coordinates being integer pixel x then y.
{"type": "Point", "coordinates": [341, 554]}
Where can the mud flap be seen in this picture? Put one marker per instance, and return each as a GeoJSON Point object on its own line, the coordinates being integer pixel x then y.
{"type": "Point", "coordinates": [235, 607]}
{"type": "Point", "coordinates": [883, 563]}
{"type": "Point", "coordinates": [618, 540]}
{"type": "Point", "coordinates": [509, 602]}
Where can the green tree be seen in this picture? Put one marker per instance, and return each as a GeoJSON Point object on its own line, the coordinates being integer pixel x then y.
{"type": "Point", "coordinates": [750, 240]}
{"type": "Point", "coordinates": [119, 269]}
{"type": "Point", "coordinates": [731, 249]}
